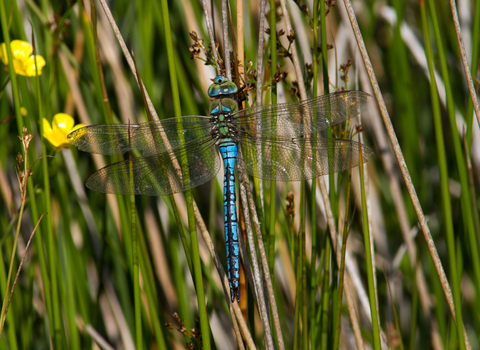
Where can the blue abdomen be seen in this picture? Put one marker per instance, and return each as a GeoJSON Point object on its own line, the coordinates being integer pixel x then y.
{"type": "Point", "coordinates": [229, 149]}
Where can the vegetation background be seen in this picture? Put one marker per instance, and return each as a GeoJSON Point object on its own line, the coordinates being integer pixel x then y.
{"type": "Point", "coordinates": [108, 272]}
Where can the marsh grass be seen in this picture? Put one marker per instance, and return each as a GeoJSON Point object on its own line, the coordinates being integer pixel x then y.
{"type": "Point", "coordinates": [105, 271]}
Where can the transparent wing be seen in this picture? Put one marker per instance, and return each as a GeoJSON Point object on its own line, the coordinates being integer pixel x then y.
{"type": "Point", "coordinates": [148, 138]}
{"type": "Point", "coordinates": [300, 118]}
{"type": "Point", "coordinates": [160, 174]}
{"type": "Point", "coordinates": [296, 159]}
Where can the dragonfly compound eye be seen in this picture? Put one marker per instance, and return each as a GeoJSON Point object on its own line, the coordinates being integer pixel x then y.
{"type": "Point", "coordinates": [220, 79]}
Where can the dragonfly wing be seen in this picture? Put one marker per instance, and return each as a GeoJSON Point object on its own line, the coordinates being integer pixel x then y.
{"type": "Point", "coordinates": [148, 138]}
{"type": "Point", "coordinates": [160, 174]}
{"type": "Point", "coordinates": [301, 118]}
{"type": "Point", "coordinates": [296, 159]}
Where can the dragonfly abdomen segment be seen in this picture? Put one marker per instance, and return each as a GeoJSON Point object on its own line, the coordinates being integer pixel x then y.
{"type": "Point", "coordinates": [228, 150]}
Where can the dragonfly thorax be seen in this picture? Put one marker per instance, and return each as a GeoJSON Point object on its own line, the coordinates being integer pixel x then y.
{"type": "Point", "coordinates": [221, 114]}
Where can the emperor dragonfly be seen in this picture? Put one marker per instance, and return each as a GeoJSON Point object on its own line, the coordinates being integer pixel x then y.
{"type": "Point", "coordinates": [181, 153]}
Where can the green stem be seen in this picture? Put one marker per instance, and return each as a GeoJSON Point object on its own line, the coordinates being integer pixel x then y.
{"type": "Point", "coordinates": [197, 267]}
{"type": "Point", "coordinates": [369, 260]}
{"type": "Point", "coordinates": [10, 269]}
{"type": "Point", "coordinates": [468, 211]}
{"type": "Point", "coordinates": [470, 116]}
{"type": "Point", "coordinates": [336, 334]}
{"type": "Point", "coordinates": [273, 184]}
{"type": "Point", "coordinates": [444, 186]}
{"type": "Point", "coordinates": [136, 273]}
{"type": "Point", "coordinates": [326, 296]}
{"type": "Point", "coordinates": [313, 284]}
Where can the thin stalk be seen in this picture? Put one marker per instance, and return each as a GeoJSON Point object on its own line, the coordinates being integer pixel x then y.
{"type": "Point", "coordinates": [398, 154]}
{"type": "Point", "coordinates": [246, 194]}
{"type": "Point", "coordinates": [211, 35]}
{"type": "Point", "coordinates": [394, 312]}
{"type": "Point", "coordinates": [299, 310]}
{"type": "Point", "coordinates": [346, 231]}
{"type": "Point", "coordinates": [296, 320]}
{"type": "Point", "coordinates": [105, 101]}
{"type": "Point", "coordinates": [469, 116]}
{"type": "Point", "coordinates": [12, 339]}
{"type": "Point", "coordinates": [295, 56]}
{"type": "Point", "coordinates": [303, 259]}
{"type": "Point", "coordinates": [226, 41]}
{"type": "Point", "coordinates": [197, 267]}
{"type": "Point", "coordinates": [273, 97]}
{"type": "Point", "coordinates": [389, 162]}
{"type": "Point", "coordinates": [16, 100]}
{"type": "Point", "coordinates": [240, 40]}
{"type": "Point", "coordinates": [58, 330]}
{"type": "Point", "coordinates": [266, 272]}
{"type": "Point", "coordinates": [463, 55]}
{"type": "Point", "coordinates": [368, 244]}
{"type": "Point", "coordinates": [313, 259]}
{"type": "Point", "coordinates": [323, 33]}
{"type": "Point", "coordinates": [471, 185]}
{"type": "Point", "coordinates": [221, 271]}
{"type": "Point", "coordinates": [248, 203]}
{"type": "Point", "coordinates": [331, 182]}
{"type": "Point", "coordinates": [468, 212]}
{"type": "Point", "coordinates": [326, 296]}
{"type": "Point", "coordinates": [404, 103]}
{"type": "Point", "coordinates": [273, 184]}
{"type": "Point", "coordinates": [150, 289]}
{"type": "Point", "coordinates": [414, 311]}
{"type": "Point", "coordinates": [91, 45]}
{"type": "Point", "coordinates": [261, 34]}
{"type": "Point", "coordinates": [136, 270]}
{"type": "Point", "coordinates": [67, 255]}
{"type": "Point", "coordinates": [444, 187]}
{"type": "Point", "coordinates": [10, 269]}
{"type": "Point", "coordinates": [240, 67]}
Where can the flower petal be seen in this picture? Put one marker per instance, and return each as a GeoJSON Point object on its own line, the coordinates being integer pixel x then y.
{"type": "Point", "coordinates": [57, 134]}
{"type": "Point", "coordinates": [63, 121]}
{"type": "Point", "coordinates": [59, 140]}
{"type": "Point", "coordinates": [46, 127]}
{"type": "Point", "coordinates": [29, 65]}
{"type": "Point", "coordinates": [21, 50]}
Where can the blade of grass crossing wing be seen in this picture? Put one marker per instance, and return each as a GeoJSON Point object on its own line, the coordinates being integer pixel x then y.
{"type": "Point", "coordinates": [135, 265]}
{"type": "Point", "coordinates": [273, 184]}
{"type": "Point", "coordinates": [346, 231]}
{"type": "Point", "coordinates": [204, 324]}
{"type": "Point", "coordinates": [313, 286]}
{"type": "Point", "coordinates": [369, 258]}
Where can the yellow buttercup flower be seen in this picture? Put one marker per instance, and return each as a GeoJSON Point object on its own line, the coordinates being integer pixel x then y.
{"type": "Point", "coordinates": [62, 125]}
{"type": "Point", "coordinates": [29, 66]}
{"type": "Point", "coordinates": [23, 60]}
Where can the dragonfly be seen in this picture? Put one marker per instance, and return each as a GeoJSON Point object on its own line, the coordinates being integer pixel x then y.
{"type": "Point", "coordinates": [272, 142]}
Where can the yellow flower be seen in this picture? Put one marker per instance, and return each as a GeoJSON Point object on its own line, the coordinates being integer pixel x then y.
{"type": "Point", "coordinates": [62, 125]}
{"type": "Point", "coordinates": [23, 60]}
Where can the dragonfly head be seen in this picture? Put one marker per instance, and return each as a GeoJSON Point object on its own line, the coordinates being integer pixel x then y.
{"type": "Point", "coordinates": [222, 86]}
